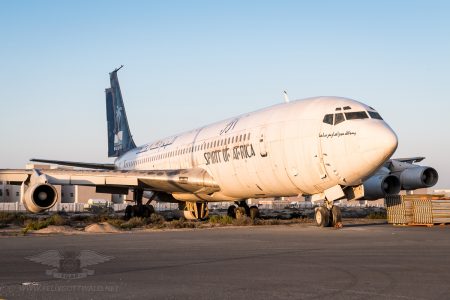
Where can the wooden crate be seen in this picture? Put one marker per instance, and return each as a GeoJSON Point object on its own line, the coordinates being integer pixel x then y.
{"type": "Point", "coordinates": [418, 209]}
{"type": "Point", "coordinates": [398, 210]}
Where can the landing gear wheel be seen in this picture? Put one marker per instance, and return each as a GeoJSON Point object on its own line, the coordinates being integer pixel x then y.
{"type": "Point", "coordinates": [138, 210]}
{"type": "Point", "coordinates": [231, 212]}
{"type": "Point", "coordinates": [322, 216]}
{"type": "Point", "coordinates": [128, 212]}
{"type": "Point", "coordinates": [240, 212]}
{"type": "Point", "coordinates": [254, 212]}
{"type": "Point", "coordinates": [336, 217]}
{"type": "Point", "coordinates": [147, 211]}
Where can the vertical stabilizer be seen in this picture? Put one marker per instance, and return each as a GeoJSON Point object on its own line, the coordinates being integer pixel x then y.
{"type": "Point", "coordinates": [120, 139]}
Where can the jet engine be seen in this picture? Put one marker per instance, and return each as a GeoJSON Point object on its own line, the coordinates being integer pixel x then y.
{"type": "Point", "coordinates": [40, 197]}
{"type": "Point", "coordinates": [380, 185]}
{"type": "Point", "coordinates": [417, 177]}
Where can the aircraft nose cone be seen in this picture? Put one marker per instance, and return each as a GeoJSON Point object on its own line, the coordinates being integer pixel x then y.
{"type": "Point", "coordinates": [392, 142]}
{"type": "Point", "coordinates": [387, 140]}
{"type": "Point", "coordinates": [380, 143]}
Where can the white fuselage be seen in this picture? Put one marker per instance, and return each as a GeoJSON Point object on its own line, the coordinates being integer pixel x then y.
{"type": "Point", "coordinates": [284, 150]}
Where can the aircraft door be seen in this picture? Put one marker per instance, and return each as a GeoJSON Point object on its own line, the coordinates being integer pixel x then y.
{"type": "Point", "coordinates": [325, 145]}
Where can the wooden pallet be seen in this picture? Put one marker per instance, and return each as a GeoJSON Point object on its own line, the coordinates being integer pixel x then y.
{"type": "Point", "coordinates": [427, 225]}
{"type": "Point", "coordinates": [424, 210]}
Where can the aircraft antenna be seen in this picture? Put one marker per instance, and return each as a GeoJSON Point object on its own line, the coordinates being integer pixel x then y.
{"type": "Point", "coordinates": [286, 97]}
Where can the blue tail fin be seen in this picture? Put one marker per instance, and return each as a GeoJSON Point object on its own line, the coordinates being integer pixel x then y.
{"type": "Point", "coordinates": [120, 139]}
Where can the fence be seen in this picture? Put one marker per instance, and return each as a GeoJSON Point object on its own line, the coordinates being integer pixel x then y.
{"type": "Point", "coordinates": [79, 207]}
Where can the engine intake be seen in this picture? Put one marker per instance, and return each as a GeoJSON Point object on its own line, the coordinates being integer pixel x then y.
{"type": "Point", "coordinates": [380, 185]}
{"type": "Point", "coordinates": [40, 197]}
{"type": "Point", "coordinates": [418, 177]}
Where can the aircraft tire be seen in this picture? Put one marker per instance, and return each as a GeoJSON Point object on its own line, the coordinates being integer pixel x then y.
{"type": "Point", "coordinates": [254, 212]}
{"type": "Point", "coordinates": [231, 212]}
{"type": "Point", "coordinates": [128, 212]}
{"type": "Point", "coordinates": [322, 216]}
{"type": "Point", "coordinates": [147, 211]}
{"type": "Point", "coordinates": [240, 212]}
{"type": "Point", "coordinates": [151, 208]}
{"type": "Point", "coordinates": [336, 217]}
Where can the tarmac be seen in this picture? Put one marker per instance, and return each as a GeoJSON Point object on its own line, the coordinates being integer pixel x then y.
{"type": "Point", "coordinates": [301, 261]}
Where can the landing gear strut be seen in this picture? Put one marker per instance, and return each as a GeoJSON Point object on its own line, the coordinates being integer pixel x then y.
{"type": "Point", "coordinates": [243, 210]}
{"type": "Point", "coordinates": [328, 215]}
{"type": "Point", "coordinates": [139, 209]}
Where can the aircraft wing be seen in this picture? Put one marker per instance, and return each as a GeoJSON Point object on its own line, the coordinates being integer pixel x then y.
{"type": "Point", "coordinates": [75, 164]}
{"type": "Point", "coordinates": [408, 160]}
{"type": "Point", "coordinates": [194, 180]}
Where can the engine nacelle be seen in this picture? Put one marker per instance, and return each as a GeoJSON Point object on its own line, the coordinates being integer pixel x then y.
{"type": "Point", "coordinates": [418, 177]}
{"type": "Point", "coordinates": [40, 197]}
{"type": "Point", "coordinates": [380, 185]}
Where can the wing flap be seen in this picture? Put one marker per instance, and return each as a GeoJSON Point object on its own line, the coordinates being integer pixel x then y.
{"type": "Point", "coordinates": [87, 180]}
{"type": "Point", "coordinates": [122, 180]}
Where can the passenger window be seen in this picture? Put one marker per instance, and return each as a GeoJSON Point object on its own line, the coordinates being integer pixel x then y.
{"type": "Point", "coordinates": [338, 118]}
{"type": "Point", "coordinates": [356, 115]}
{"type": "Point", "coordinates": [328, 119]}
{"type": "Point", "coordinates": [375, 115]}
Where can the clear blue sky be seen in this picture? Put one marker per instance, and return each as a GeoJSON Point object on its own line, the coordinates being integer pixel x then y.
{"type": "Point", "coordinates": [188, 63]}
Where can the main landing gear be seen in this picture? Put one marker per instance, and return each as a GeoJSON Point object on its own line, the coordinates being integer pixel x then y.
{"type": "Point", "coordinates": [328, 215]}
{"type": "Point", "coordinates": [243, 210]}
{"type": "Point", "coordinates": [139, 209]}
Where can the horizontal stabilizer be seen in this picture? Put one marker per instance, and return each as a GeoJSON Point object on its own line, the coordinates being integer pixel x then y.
{"type": "Point", "coordinates": [76, 164]}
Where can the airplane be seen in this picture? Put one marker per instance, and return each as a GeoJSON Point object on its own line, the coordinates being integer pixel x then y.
{"type": "Point", "coordinates": [326, 148]}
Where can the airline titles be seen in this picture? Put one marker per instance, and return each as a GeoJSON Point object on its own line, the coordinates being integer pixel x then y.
{"type": "Point", "coordinates": [226, 154]}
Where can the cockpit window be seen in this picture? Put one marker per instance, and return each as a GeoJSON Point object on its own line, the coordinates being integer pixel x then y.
{"type": "Point", "coordinates": [356, 115]}
{"type": "Point", "coordinates": [347, 108]}
{"type": "Point", "coordinates": [339, 118]}
{"type": "Point", "coordinates": [328, 119]}
{"type": "Point", "coordinates": [375, 115]}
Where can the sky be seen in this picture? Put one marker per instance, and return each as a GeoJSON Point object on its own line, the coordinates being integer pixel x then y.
{"type": "Point", "coordinates": [190, 63]}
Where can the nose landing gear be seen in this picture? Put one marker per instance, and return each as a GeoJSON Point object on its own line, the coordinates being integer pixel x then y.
{"type": "Point", "coordinates": [328, 215]}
